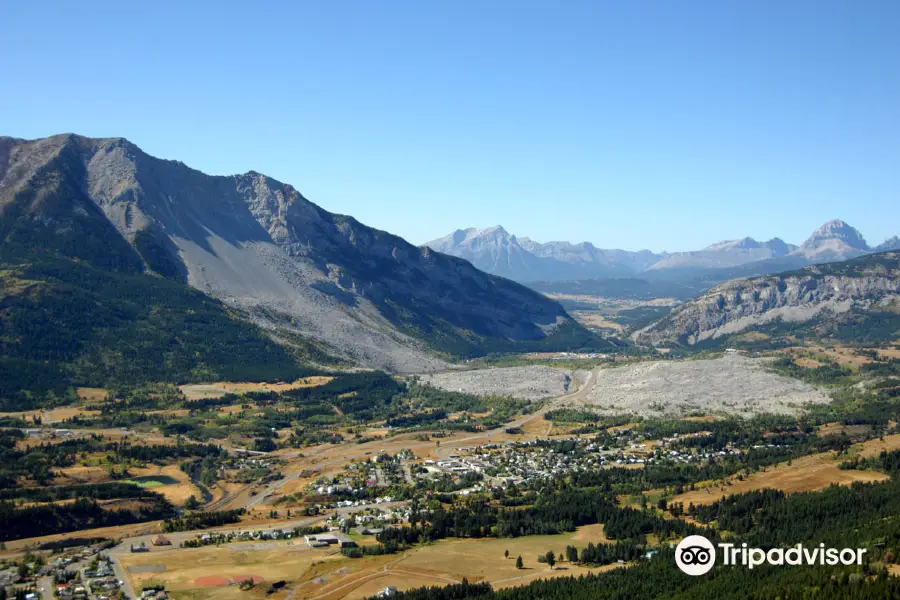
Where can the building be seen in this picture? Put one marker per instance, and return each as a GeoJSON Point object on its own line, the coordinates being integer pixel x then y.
{"type": "Point", "coordinates": [161, 540]}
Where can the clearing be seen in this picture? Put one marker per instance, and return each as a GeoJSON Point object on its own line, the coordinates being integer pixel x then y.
{"type": "Point", "coordinates": [805, 474]}
{"type": "Point", "coordinates": [170, 481]}
{"type": "Point", "coordinates": [196, 391]}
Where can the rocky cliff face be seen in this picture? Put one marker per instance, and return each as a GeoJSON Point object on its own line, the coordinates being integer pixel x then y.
{"type": "Point", "coordinates": [259, 245]}
{"type": "Point", "coordinates": [822, 291]}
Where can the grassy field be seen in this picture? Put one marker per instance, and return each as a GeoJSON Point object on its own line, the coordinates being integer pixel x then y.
{"type": "Point", "coordinates": [170, 481]}
{"type": "Point", "coordinates": [181, 569]}
{"type": "Point", "coordinates": [95, 394]}
{"type": "Point", "coordinates": [218, 389]}
{"type": "Point", "coordinates": [805, 474]}
{"type": "Point", "coordinates": [325, 573]}
{"type": "Point", "coordinates": [54, 415]}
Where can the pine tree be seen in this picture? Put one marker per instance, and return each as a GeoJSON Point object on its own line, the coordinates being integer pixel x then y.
{"type": "Point", "coordinates": [519, 564]}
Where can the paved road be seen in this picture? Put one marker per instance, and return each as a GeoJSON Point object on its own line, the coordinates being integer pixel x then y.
{"type": "Point", "coordinates": [45, 585]}
{"type": "Point", "coordinates": [121, 575]}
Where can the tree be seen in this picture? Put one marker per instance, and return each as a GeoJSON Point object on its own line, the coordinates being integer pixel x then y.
{"type": "Point", "coordinates": [506, 554]}
{"type": "Point", "coordinates": [572, 554]}
{"type": "Point", "coordinates": [551, 559]}
{"type": "Point", "coordinates": [519, 564]}
{"type": "Point", "coordinates": [192, 503]}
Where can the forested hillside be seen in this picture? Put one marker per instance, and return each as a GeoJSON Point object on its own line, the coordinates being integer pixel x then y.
{"type": "Point", "coordinates": [64, 323]}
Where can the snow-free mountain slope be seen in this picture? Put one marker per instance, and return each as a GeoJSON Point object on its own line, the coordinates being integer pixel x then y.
{"type": "Point", "coordinates": [260, 246]}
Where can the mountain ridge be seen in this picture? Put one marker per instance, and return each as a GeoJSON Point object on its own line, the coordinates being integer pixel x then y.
{"type": "Point", "coordinates": [825, 300]}
{"type": "Point", "coordinates": [259, 246]}
{"type": "Point", "coordinates": [566, 261]}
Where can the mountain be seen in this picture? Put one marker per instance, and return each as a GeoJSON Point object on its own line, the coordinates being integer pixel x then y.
{"type": "Point", "coordinates": [496, 251]}
{"type": "Point", "coordinates": [892, 243]}
{"type": "Point", "coordinates": [66, 323]}
{"type": "Point", "coordinates": [730, 253]}
{"type": "Point", "coordinates": [523, 259]}
{"type": "Point", "coordinates": [492, 250]}
{"type": "Point", "coordinates": [266, 253]}
{"type": "Point", "coordinates": [835, 240]}
{"type": "Point", "coordinates": [856, 300]}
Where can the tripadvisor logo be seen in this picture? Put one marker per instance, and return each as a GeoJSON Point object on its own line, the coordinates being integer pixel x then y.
{"type": "Point", "coordinates": [696, 555]}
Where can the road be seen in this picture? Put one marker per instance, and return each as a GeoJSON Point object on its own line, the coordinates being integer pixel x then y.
{"type": "Point", "coordinates": [578, 395]}
{"type": "Point", "coordinates": [45, 585]}
{"type": "Point", "coordinates": [341, 455]}
{"type": "Point", "coordinates": [121, 575]}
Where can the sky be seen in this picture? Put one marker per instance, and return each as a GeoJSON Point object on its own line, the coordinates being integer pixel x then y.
{"type": "Point", "coordinates": [652, 124]}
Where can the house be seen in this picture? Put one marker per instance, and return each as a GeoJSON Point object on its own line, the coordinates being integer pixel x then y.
{"type": "Point", "coordinates": [328, 538]}
{"type": "Point", "coordinates": [140, 548]}
{"type": "Point", "coordinates": [387, 592]}
{"type": "Point", "coordinates": [161, 540]}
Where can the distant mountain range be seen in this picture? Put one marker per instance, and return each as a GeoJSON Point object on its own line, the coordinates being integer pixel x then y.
{"type": "Point", "coordinates": [104, 209]}
{"type": "Point", "coordinates": [496, 251]}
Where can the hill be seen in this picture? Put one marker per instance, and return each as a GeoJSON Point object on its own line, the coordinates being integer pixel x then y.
{"type": "Point", "coordinates": [855, 301]}
{"type": "Point", "coordinates": [65, 323]}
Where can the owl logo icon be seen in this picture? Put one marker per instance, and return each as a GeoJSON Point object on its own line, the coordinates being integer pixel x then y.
{"type": "Point", "coordinates": [695, 555]}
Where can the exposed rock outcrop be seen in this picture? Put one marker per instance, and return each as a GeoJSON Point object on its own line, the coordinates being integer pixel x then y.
{"type": "Point", "coordinates": [830, 289]}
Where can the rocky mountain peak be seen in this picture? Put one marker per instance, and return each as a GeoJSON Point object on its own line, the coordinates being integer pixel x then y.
{"type": "Point", "coordinates": [779, 247]}
{"type": "Point", "coordinates": [835, 240]}
{"type": "Point", "coordinates": [838, 230]}
{"type": "Point", "coordinates": [747, 242]}
{"type": "Point", "coordinates": [892, 243]}
{"type": "Point", "coordinates": [258, 245]}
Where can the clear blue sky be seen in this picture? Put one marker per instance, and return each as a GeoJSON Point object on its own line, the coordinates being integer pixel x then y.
{"type": "Point", "coordinates": [658, 124]}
